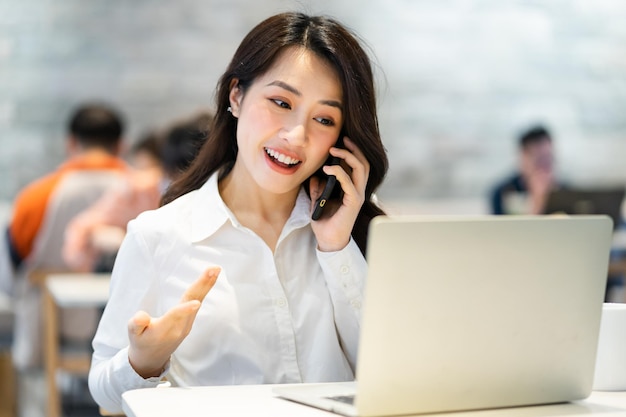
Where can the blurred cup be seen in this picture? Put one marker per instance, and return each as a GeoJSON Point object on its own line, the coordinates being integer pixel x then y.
{"type": "Point", "coordinates": [610, 374]}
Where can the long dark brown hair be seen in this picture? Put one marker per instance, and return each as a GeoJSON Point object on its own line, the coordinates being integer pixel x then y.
{"type": "Point", "coordinates": [331, 41]}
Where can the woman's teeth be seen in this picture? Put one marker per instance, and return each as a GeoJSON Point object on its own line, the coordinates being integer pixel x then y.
{"type": "Point", "coordinates": [281, 158]}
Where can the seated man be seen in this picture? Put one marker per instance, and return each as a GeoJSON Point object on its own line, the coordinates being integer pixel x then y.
{"type": "Point", "coordinates": [94, 236]}
{"type": "Point", "coordinates": [527, 190]}
{"type": "Point", "coordinates": [43, 208]}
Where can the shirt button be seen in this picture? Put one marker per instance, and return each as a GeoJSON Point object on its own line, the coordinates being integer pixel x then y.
{"type": "Point", "coordinates": [356, 304]}
{"type": "Point", "coordinates": [345, 269]}
{"type": "Point", "coordinates": [281, 302]}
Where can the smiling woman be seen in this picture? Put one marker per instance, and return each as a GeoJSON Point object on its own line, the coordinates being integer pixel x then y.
{"type": "Point", "coordinates": [231, 281]}
{"type": "Point", "coordinates": [313, 40]}
{"type": "Point", "coordinates": [287, 112]}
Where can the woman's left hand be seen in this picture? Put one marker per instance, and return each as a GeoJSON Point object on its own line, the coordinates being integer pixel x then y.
{"type": "Point", "coordinates": [334, 228]}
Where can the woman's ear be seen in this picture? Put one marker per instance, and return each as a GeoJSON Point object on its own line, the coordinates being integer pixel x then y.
{"type": "Point", "coordinates": [235, 97]}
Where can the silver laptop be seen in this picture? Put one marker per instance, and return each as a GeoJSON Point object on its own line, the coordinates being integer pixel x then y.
{"type": "Point", "coordinates": [466, 313]}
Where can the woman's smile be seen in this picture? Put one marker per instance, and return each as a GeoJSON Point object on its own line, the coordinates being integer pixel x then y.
{"type": "Point", "coordinates": [281, 161]}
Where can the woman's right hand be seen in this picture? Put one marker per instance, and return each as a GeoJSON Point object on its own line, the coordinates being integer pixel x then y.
{"type": "Point", "coordinates": [153, 340]}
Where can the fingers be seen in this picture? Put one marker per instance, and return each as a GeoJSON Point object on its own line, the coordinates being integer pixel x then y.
{"type": "Point", "coordinates": [359, 164]}
{"type": "Point", "coordinates": [356, 160]}
{"type": "Point", "coordinates": [189, 304]}
{"type": "Point", "coordinates": [354, 183]}
{"type": "Point", "coordinates": [177, 321]}
{"type": "Point", "coordinates": [199, 289]}
{"type": "Point", "coordinates": [153, 340]}
{"type": "Point", "coordinates": [139, 323]}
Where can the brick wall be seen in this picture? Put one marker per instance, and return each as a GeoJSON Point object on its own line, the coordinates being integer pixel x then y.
{"type": "Point", "coordinates": [458, 79]}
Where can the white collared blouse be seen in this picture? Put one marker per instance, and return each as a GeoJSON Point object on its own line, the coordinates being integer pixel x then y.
{"type": "Point", "coordinates": [283, 317]}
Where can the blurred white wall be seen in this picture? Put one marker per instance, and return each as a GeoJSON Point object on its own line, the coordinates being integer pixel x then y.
{"type": "Point", "coordinates": [458, 79]}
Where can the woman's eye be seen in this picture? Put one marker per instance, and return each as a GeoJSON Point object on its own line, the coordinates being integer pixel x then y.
{"type": "Point", "coordinates": [325, 122]}
{"type": "Point", "coordinates": [281, 103]}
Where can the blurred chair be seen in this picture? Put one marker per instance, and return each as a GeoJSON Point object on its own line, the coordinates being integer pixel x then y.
{"type": "Point", "coordinates": [8, 380]}
{"type": "Point", "coordinates": [61, 292]}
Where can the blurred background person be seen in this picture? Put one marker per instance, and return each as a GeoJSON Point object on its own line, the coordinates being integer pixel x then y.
{"type": "Point", "coordinates": [182, 142]}
{"type": "Point", "coordinates": [527, 190]}
{"type": "Point", "coordinates": [93, 238]}
{"type": "Point", "coordinates": [41, 212]}
{"type": "Point", "coordinates": [145, 154]}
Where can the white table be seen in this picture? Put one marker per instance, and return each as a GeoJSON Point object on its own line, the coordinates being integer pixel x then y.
{"type": "Point", "coordinates": [79, 290]}
{"type": "Point", "coordinates": [259, 401]}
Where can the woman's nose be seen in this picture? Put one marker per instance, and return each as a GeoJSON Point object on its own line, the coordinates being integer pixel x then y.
{"type": "Point", "coordinates": [296, 134]}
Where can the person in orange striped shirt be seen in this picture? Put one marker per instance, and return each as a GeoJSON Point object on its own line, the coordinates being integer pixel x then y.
{"type": "Point", "coordinates": [94, 142]}
{"type": "Point", "coordinates": [41, 211]}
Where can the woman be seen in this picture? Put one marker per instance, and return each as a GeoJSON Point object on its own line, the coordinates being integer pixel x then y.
{"type": "Point", "coordinates": [285, 307]}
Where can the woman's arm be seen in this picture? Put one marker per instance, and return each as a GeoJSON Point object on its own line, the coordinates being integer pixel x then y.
{"type": "Point", "coordinates": [133, 288]}
{"type": "Point", "coordinates": [345, 272]}
{"type": "Point", "coordinates": [134, 343]}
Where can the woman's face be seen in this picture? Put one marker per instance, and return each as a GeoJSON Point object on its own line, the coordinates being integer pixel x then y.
{"type": "Point", "coordinates": [289, 118]}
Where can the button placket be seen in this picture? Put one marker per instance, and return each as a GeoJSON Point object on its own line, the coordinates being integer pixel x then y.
{"type": "Point", "coordinates": [284, 324]}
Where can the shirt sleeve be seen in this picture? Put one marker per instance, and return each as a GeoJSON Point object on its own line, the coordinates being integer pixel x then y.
{"type": "Point", "coordinates": [132, 289]}
{"type": "Point", "coordinates": [345, 272]}
{"type": "Point", "coordinates": [29, 209]}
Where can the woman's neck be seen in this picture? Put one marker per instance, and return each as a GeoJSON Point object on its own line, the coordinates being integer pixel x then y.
{"type": "Point", "coordinates": [259, 210]}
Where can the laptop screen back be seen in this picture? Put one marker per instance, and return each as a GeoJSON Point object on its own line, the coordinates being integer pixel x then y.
{"type": "Point", "coordinates": [480, 312]}
{"type": "Point", "coordinates": [587, 201]}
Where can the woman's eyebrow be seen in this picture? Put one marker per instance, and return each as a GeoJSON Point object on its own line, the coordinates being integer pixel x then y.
{"type": "Point", "coordinates": [292, 89]}
{"type": "Point", "coordinates": [333, 103]}
{"type": "Point", "coordinates": [286, 86]}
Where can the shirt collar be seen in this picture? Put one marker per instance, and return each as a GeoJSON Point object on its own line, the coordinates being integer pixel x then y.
{"type": "Point", "coordinates": [209, 212]}
{"type": "Point", "coordinates": [301, 213]}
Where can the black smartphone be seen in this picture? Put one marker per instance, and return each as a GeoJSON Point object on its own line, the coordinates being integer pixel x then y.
{"type": "Point", "coordinates": [329, 189]}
